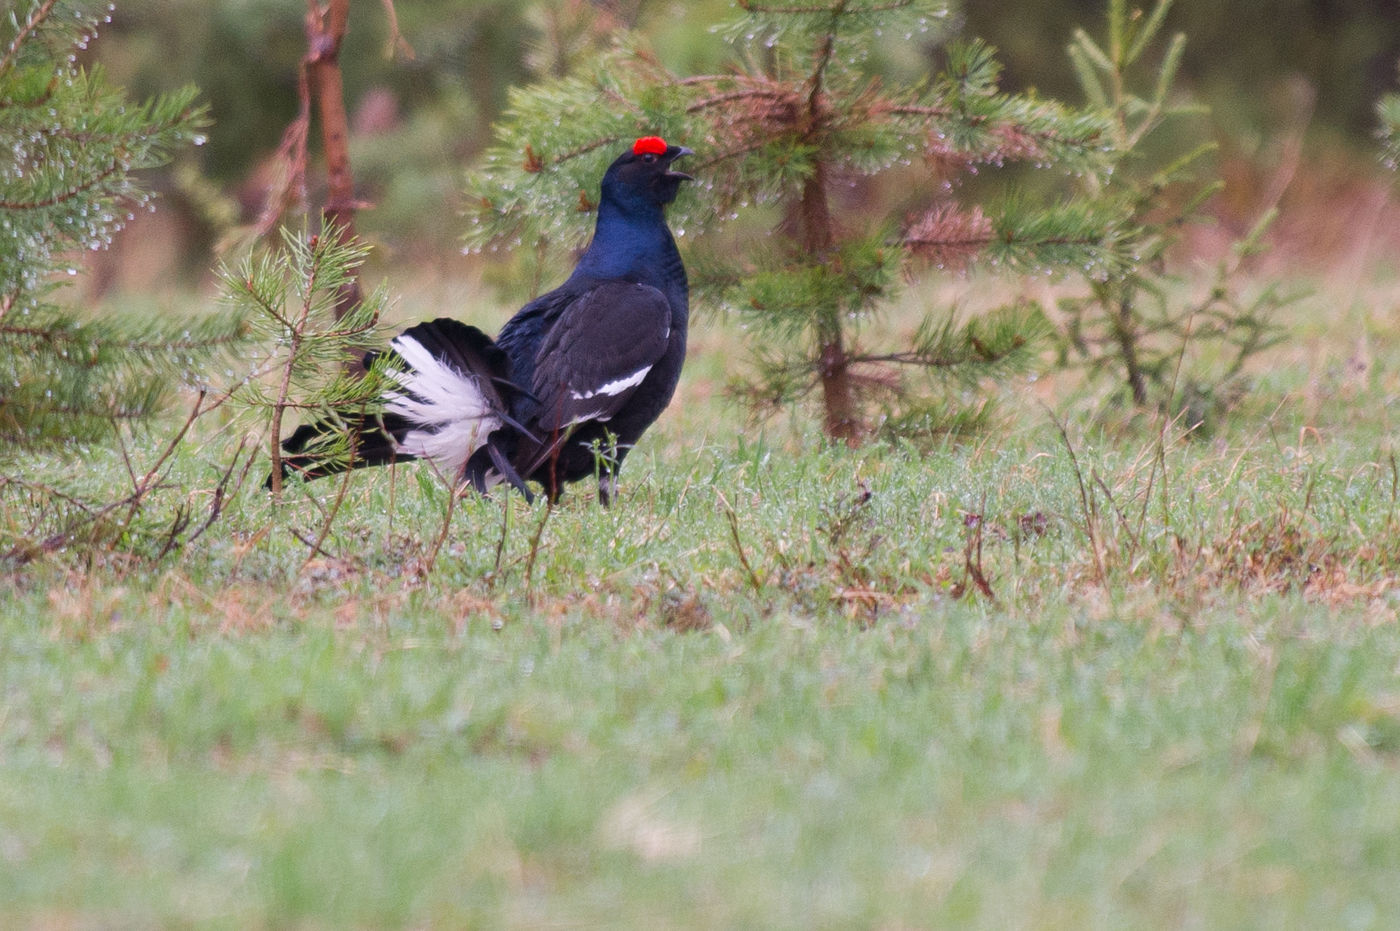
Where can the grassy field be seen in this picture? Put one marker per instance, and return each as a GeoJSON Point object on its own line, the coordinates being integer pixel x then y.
{"type": "Point", "coordinates": [1110, 677]}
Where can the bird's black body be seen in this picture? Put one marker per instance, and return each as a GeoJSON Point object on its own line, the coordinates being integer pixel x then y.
{"type": "Point", "coordinates": [574, 378]}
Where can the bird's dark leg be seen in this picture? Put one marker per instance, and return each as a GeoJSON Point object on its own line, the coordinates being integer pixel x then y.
{"type": "Point", "coordinates": [607, 459]}
{"type": "Point", "coordinates": [607, 486]}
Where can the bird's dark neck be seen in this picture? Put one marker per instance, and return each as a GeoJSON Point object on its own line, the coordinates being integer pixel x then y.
{"type": "Point", "coordinates": [634, 244]}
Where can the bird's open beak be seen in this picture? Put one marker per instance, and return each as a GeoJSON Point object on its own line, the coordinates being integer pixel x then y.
{"type": "Point", "coordinates": [671, 173]}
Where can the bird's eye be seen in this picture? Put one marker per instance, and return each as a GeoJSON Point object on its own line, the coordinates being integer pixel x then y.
{"type": "Point", "coordinates": [649, 157]}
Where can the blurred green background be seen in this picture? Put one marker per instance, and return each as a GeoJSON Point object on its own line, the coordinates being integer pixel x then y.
{"type": "Point", "coordinates": [1290, 85]}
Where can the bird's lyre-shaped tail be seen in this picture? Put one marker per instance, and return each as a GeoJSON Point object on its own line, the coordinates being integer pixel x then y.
{"type": "Point", "coordinates": [449, 391]}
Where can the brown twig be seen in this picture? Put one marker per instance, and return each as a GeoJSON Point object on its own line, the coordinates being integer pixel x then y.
{"type": "Point", "coordinates": [972, 553]}
{"type": "Point", "coordinates": [221, 493]}
{"type": "Point", "coordinates": [329, 518]}
{"type": "Point", "coordinates": [535, 548]}
{"type": "Point", "coordinates": [142, 486]}
{"type": "Point", "coordinates": [1087, 509]}
{"type": "Point", "coordinates": [397, 42]}
{"type": "Point", "coordinates": [733, 519]}
{"type": "Point", "coordinates": [431, 560]}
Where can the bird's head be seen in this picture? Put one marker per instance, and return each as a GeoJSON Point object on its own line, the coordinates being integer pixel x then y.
{"type": "Point", "coordinates": [643, 176]}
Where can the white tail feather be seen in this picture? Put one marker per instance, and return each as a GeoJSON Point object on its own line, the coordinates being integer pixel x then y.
{"type": "Point", "coordinates": [454, 417]}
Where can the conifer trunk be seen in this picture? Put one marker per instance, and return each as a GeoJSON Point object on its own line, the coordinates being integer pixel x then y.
{"type": "Point", "coordinates": [325, 31]}
{"type": "Point", "coordinates": [842, 418]}
{"type": "Point", "coordinates": [817, 234]}
{"type": "Point", "coordinates": [1125, 331]}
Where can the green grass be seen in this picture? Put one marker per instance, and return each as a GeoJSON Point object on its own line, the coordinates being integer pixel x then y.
{"type": "Point", "coordinates": [764, 690]}
{"type": "Point", "coordinates": [956, 766]}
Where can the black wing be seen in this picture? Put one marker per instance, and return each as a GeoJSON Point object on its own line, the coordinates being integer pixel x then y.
{"type": "Point", "coordinates": [592, 361]}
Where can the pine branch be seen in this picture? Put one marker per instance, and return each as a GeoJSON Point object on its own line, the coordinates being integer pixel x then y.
{"type": "Point", "coordinates": [949, 237]}
{"type": "Point", "coordinates": [1388, 111]}
{"type": "Point", "coordinates": [63, 196]}
{"type": "Point", "coordinates": [85, 344]}
{"type": "Point", "coordinates": [824, 10]}
{"type": "Point", "coordinates": [36, 18]}
{"type": "Point", "coordinates": [999, 131]}
{"type": "Point", "coordinates": [1001, 340]}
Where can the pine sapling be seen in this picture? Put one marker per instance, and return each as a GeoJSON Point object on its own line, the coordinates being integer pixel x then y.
{"type": "Point", "coordinates": [69, 182]}
{"type": "Point", "coordinates": [292, 298]}
{"type": "Point", "coordinates": [1131, 323]}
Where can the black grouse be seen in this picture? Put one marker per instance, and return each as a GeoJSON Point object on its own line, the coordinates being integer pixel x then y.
{"type": "Point", "coordinates": [573, 379]}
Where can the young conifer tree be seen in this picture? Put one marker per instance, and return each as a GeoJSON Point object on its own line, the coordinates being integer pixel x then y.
{"type": "Point", "coordinates": [1133, 322]}
{"type": "Point", "coordinates": [293, 299]}
{"type": "Point", "coordinates": [801, 119]}
{"type": "Point", "coordinates": [70, 148]}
